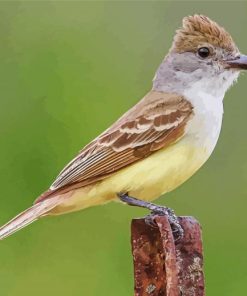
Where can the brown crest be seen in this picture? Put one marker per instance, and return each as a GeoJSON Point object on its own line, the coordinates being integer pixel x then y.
{"type": "Point", "coordinates": [198, 30]}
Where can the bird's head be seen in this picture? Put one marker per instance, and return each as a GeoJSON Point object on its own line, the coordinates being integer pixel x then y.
{"type": "Point", "coordinates": [204, 52]}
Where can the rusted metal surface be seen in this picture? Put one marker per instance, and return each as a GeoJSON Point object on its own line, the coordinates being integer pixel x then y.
{"type": "Point", "coordinates": [163, 267]}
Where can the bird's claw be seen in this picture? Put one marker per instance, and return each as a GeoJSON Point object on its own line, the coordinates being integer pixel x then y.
{"type": "Point", "coordinates": [155, 210]}
{"type": "Point", "coordinates": [177, 230]}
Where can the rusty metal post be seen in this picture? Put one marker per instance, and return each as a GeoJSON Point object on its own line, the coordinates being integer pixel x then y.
{"type": "Point", "coordinates": [163, 267]}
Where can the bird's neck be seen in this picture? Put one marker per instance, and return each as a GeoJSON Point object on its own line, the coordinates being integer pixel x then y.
{"type": "Point", "coordinates": [205, 89]}
{"type": "Point", "coordinates": [206, 98]}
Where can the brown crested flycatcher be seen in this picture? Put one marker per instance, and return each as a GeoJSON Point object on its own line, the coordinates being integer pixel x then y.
{"type": "Point", "coordinates": [160, 142]}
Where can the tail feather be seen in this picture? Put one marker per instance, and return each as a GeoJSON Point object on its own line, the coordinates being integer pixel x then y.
{"type": "Point", "coordinates": [28, 216]}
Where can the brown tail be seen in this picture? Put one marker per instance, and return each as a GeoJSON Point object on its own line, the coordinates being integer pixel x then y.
{"type": "Point", "coordinates": [28, 216]}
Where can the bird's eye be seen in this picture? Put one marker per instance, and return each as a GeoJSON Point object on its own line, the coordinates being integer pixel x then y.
{"type": "Point", "coordinates": [203, 52]}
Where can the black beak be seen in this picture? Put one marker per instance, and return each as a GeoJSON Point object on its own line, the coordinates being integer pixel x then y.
{"type": "Point", "coordinates": [238, 63]}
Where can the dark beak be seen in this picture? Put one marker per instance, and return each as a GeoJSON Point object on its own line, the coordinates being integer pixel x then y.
{"type": "Point", "coordinates": [238, 63]}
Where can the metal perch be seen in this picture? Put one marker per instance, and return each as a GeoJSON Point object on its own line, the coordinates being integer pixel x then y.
{"type": "Point", "coordinates": [163, 267]}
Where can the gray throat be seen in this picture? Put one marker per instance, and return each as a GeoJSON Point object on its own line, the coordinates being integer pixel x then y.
{"type": "Point", "coordinates": [180, 72]}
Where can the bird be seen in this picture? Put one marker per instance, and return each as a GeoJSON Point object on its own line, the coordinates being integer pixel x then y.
{"type": "Point", "coordinates": [160, 142]}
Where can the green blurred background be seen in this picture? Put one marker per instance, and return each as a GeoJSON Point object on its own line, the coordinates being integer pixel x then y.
{"type": "Point", "coordinates": [67, 71]}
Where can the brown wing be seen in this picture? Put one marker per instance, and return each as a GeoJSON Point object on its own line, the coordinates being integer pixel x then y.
{"type": "Point", "coordinates": [155, 122]}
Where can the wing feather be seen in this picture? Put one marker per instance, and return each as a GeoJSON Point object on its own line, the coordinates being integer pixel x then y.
{"type": "Point", "coordinates": [155, 122]}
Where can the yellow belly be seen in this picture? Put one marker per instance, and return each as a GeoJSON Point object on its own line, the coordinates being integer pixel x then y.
{"type": "Point", "coordinates": [147, 179]}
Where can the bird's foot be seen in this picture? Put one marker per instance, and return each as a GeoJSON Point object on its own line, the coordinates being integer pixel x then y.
{"type": "Point", "coordinates": [177, 229]}
{"type": "Point", "coordinates": [156, 210]}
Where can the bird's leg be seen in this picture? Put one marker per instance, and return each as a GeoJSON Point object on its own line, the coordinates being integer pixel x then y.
{"type": "Point", "coordinates": [155, 210]}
